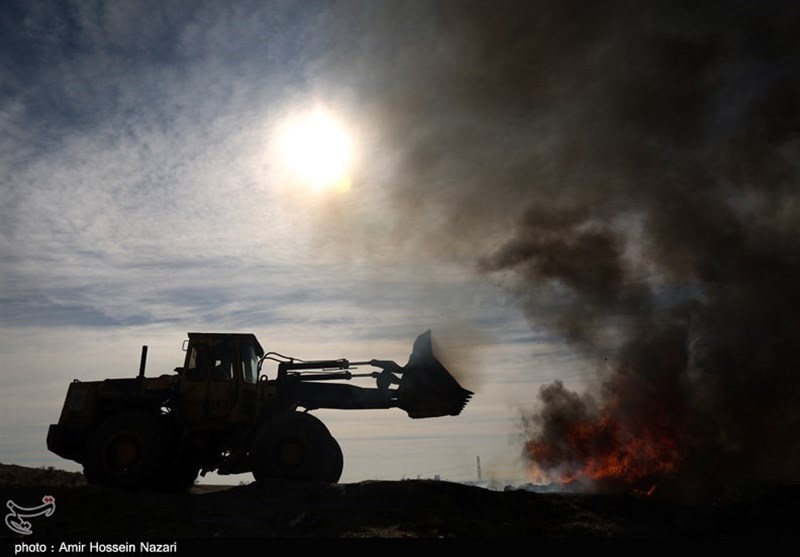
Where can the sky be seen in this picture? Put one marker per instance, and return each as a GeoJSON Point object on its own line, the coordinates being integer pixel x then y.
{"type": "Point", "coordinates": [539, 183]}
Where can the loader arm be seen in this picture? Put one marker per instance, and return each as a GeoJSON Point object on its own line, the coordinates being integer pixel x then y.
{"type": "Point", "coordinates": [425, 388]}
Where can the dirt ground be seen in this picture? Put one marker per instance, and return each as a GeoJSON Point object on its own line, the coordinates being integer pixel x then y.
{"type": "Point", "coordinates": [383, 509]}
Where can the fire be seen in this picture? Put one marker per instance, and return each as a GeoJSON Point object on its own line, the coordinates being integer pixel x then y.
{"type": "Point", "coordinates": [604, 449]}
{"type": "Point", "coordinates": [645, 492]}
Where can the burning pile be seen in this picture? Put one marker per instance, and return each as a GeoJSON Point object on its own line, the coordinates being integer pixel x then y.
{"type": "Point", "coordinates": [586, 444]}
{"type": "Point", "coordinates": [698, 379]}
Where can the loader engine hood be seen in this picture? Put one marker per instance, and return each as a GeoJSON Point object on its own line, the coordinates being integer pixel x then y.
{"type": "Point", "coordinates": [427, 389]}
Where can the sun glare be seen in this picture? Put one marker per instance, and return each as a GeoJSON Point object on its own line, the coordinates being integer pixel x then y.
{"type": "Point", "coordinates": [317, 151]}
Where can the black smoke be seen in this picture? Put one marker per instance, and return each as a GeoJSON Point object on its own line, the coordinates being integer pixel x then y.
{"type": "Point", "coordinates": [631, 172]}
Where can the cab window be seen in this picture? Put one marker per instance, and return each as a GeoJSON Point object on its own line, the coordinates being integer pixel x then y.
{"type": "Point", "coordinates": [249, 364]}
{"type": "Point", "coordinates": [223, 362]}
{"type": "Point", "coordinates": [198, 360]}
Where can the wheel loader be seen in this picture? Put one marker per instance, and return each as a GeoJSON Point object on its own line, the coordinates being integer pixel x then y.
{"type": "Point", "coordinates": [219, 412]}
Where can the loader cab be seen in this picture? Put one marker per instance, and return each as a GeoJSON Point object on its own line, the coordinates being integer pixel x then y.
{"type": "Point", "coordinates": [218, 382]}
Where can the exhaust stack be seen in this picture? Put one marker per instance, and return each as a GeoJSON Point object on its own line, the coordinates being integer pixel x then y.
{"type": "Point", "coordinates": [142, 361]}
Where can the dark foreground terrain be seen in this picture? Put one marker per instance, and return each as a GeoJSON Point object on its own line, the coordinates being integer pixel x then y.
{"type": "Point", "coordinates": [382, 509]}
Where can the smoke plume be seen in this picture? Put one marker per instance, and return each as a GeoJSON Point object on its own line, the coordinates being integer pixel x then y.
{"type": "Point", "coordinates": [630, 171]}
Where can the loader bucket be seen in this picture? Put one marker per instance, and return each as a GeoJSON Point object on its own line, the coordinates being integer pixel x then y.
{"type": "Point", "coordinates": [427, 389]}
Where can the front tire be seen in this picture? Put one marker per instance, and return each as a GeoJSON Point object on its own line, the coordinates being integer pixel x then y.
{"type": "Point", "coordinates": [128, 451]}
{"type": "Point", "coordinates": [297, 446]}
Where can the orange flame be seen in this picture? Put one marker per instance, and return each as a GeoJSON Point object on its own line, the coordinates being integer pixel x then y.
{"type": "Point", "coordinates": [605, 449]}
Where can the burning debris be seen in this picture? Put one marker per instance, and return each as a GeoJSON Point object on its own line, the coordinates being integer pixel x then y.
{"type": "Point", "coordinates": [572, 442]}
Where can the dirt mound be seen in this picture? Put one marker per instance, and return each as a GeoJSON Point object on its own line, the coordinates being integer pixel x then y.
{"type": "Point", "coordinates": [12, 476]}
{"type": "Point", "coordinates": [408, 508]}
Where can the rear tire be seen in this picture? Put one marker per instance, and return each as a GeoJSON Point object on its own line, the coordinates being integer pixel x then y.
{"type": "Point", "coordinates": [129, 451]}
{"type": "Point", "coordinates": [297, 446]}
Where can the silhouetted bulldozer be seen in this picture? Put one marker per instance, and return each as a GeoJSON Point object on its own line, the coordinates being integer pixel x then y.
{"type": "Point", "coordinates": [219, 413]}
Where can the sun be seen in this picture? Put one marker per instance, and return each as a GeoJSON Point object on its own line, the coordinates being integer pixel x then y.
{"type": "Point", "coordinates": [317, 151]}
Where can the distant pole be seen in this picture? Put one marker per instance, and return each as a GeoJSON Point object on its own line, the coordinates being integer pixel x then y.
{"type": "Point", "coordinates": [479, 468]}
